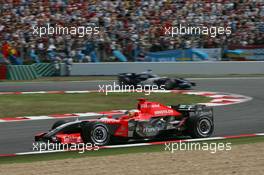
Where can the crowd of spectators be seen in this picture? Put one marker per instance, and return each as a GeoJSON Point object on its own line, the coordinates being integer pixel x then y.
{"type": "Point", "coordinates": [133, 27]}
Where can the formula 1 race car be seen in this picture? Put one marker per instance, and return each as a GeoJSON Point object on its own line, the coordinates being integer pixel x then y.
{"type": "Point", "coordinates": [150, 120]}
{"type": "Point", "coordinates": [150, 79]}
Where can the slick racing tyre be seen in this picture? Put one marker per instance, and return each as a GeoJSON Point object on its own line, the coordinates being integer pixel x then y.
{"type": "Point", "coordinates": [200, 126]}
{"type": "Point", "coordinates": [58, 123]}
{"type": "Point", "coordinates": [97, 133]}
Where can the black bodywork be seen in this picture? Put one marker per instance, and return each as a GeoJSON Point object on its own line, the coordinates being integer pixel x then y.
{"type": "Point", "coordinates": [144, 79]}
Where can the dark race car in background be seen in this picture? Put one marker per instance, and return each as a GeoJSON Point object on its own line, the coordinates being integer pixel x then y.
{"type": "Point", "coordinates": [150, 120]}
{"type": "Point", "coordinates": [149, 79]}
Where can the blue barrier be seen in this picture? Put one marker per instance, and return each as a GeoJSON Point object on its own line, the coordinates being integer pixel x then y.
{"type": "Point", "coordinates": [246, 54]}
{"type": "Point", "coordinates": [176, 55]}
{"type": "Point", "coordinates": [236, 52]}
{"type": "Point", "coordinates": [202, 55]}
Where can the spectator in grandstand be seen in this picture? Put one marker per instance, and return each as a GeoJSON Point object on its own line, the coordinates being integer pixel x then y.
{"type": "Point", "coordinates": [33, 56]}
{"type": "Point", "coordinates": [2, 60]}
{"type": "Point", "coordinates": [131, 27]}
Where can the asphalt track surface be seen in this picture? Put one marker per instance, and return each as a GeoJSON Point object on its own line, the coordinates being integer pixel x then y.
{"type": "Point", "coordinates": [244, 118]}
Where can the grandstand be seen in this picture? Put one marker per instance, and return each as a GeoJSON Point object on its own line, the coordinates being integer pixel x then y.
{"type": "Point", "coordinates": [131, 27]}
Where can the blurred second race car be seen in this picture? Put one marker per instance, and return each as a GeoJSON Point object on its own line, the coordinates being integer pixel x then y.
{"type": "Point", "coordinates": [149, 79]}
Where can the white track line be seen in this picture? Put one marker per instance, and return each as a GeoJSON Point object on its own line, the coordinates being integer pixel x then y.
{"type": "Point", "coordinates": [147, 144]}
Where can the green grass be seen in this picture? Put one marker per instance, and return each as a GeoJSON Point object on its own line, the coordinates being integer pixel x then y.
{"type": "Point", "coordinates": [115, 151]}
{"type": "Point", "coordinates": [44, 104]}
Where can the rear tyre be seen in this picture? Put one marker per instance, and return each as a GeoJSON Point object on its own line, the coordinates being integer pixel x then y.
{"type": "Point", "coordinates": [200, 126]}
{"type": "Point", "coordinates": [58, 123]}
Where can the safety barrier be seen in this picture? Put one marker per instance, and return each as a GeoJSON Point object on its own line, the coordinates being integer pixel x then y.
{"type": "Point", "coordinates": [204, 67]}
{"type": "Point", "coordinates": [29, 72]}
{"type": "Point", "coordinates": [44, 69]}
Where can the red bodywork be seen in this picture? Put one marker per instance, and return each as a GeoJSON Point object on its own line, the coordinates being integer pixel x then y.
{"type": "Point", "coordinates": [70, 138]}
{"type": "Point", "coordinates": [146, 111]}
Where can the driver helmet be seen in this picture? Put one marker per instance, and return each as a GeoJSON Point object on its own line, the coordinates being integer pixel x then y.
{"type": "Point", "coordinates": [133, 112]}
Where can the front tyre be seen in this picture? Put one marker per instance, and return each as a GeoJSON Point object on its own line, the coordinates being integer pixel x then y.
{"type": "Point", "coordinates": [98, 134]}
{"type": "Point", "coordinates": [200, 127]}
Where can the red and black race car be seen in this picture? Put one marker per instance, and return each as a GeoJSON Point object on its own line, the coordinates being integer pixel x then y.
{"type": "Point", "coordinates": [149, 120]}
